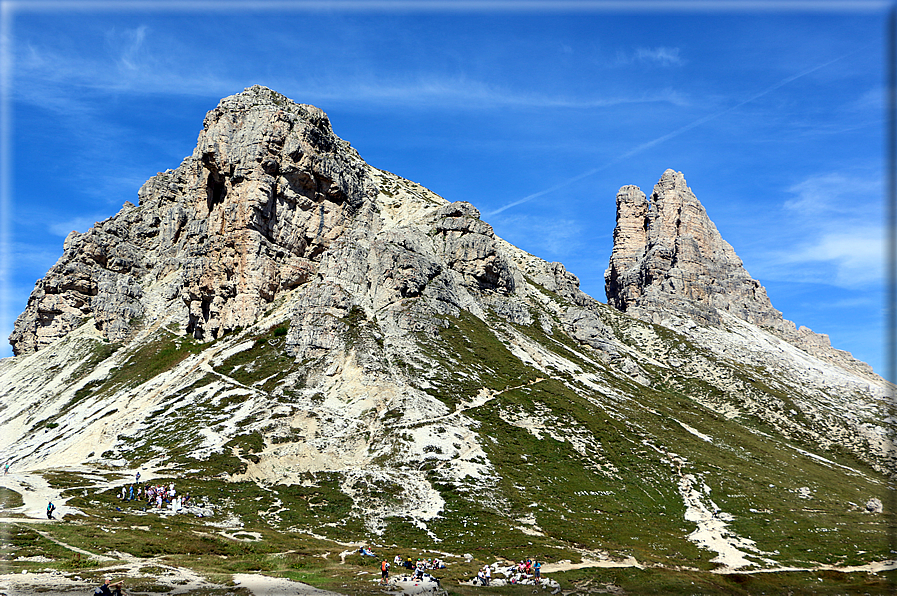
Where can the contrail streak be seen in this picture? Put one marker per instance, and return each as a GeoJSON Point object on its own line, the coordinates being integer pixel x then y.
{"type": "Point", "coordinates": [673, 134]}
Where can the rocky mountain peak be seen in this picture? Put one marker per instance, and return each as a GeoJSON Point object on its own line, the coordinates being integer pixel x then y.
{"type": "Point", "coordinates": [668, 255]}
{"type": "Point", "coordinates": [670, 265]}
{"type": "Point", "coordinates": [267, 189]}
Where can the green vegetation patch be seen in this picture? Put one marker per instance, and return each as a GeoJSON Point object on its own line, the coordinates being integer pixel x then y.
{"type": "Point", "coordinates": [20, 540]}
{"type": "Point", "coordinates": [265, 364]}
{"type": "Point", "coordinates": [472, 357]}
{"type": "Point", "coordinates": [142, 363]}
{"type": "Point", "coordinates": [10, 499]}
{"type": "Point", "coordinates": [685, 582]}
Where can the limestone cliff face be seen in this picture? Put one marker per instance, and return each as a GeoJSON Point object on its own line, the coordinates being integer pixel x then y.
{"type": "Point", "coordinates": [670, 265]}
{"type": "Point", "coordinates": [269, 200]}
{"type": "Point", "coordinates": [267, 189]}
{"type": "Point", "coordinates": [668, 255]}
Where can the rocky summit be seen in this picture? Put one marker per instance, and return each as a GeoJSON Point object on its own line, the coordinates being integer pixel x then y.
{"type": "Point", "coordinates": [348, 356]}
{"type": "Point", "coordinates": [670, 265]}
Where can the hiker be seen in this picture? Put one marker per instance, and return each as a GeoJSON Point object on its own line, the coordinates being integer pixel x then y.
{"type": "Point", "coordinates": [50, 509]}
{"type": "Point", "coordinates": [537, 570]}
{"type": "Point", "coordinates": [131, 493]}
{"type": "Point", "coordinates": [137, 478]}
{"type": "Point", "coordinates": [408, 564]}
{"type": "Point", "coordinates": [6, 469]}
{"type": "Point", "coordinates": [384, 571]}
{"type": "Point", "coordinates": [487, 575]}
{"type": "Point", "coordinates": [106, 588]}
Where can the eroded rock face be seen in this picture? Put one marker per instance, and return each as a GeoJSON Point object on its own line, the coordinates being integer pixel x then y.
{"type": "Point", "coordinates": [268, 188]}
{"type": "Point", "coordinates": [670, 265]}
{"type": "Point", "coordinates": [669, 255]}
{"type": "Point", "coordinates": [270, 200]}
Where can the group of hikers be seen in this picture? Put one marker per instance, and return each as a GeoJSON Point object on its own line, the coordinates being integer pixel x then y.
{"type": "Point", "coordinates": [155, 495]}
{"type": "Point", "coordinates": [528, 571]}
{"type": "Point", "coordinates": [520, 572]}
{"type": "Point", "coordinates": [420, 564]}
{"type": "Point", "coordinates": [158, 495]}
{"type": "Point", "coordinates": [417, 568]}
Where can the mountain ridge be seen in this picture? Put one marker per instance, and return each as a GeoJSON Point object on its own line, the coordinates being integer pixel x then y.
{"type": "Point", "coordinates": [277, 313]}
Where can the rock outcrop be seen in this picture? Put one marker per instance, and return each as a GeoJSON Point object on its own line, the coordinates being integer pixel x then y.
{"type": "Point", "coordinates": [267, 189]}
{"type": "Point", "coordinates": [269, 199]}
{"type": "Point", "coordinates": [670, 265]}
{"type": "Point", "coordinates": [669, 256]}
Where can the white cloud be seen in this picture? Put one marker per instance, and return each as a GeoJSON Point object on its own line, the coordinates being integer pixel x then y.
{"type": "Point", "coordinates": [662, 55]}
{"type": "Point", "coordinates": [78, 224]}
{"type": "Point", "coordinates": [856, 256]}
{"type": "Point", "coordinates": [136, 61]}
{"type": "Point", "coordinates": [828, 232]}
{"type": "Point", "coordinates": [39, 257]}
{"type": "Point", "coordinates": [870, 102]}
{"type": "Point", "coordinates": [127, 45]}
{"type": "Point", "coordinates": [864, 301]}
{"type": "Point", "coordinates": [549, 238]}
{"type": "Point", "coordinates": [826, 195]}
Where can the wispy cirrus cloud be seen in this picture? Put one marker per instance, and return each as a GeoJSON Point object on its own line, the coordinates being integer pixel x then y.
{"type": "Point", "coordinates": [663, 56]}
{"type": "Point", "coordinates": [41, 256]}
{"type": "Point", "coordinates": [855, 256]}
{"type": "Point", "coordinates": [659, 56]}
{"type": "Point", "coordinates": [142, 61]}
{"type": "Point", "coordinates": [77, 224]}
{"type": "Point", "coordinates": [131, 60]}
{"type": "Point", "coordinates": [821, 198]}
{"type": "Point", "coordinates": [127, 44]}
{"type": "Point", "coordinates": [830, 231]}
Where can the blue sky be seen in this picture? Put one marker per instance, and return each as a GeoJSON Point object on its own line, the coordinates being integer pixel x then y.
{"type": "Point", "coordinates": [534, 112]}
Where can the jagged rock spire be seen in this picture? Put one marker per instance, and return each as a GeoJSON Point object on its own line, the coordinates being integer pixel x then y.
{"type": "Point", "coordinates": [669, 255]}
{"type": "Point", "coordinates": [670, 265]}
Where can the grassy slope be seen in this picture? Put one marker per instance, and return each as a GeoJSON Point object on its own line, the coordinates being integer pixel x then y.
{"type": "Point", "coordinates": [638, 510]}
{"type": "Point", "coordinates": [190, 542]}
{"type": "Point", "coordinates": [620, 496]}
